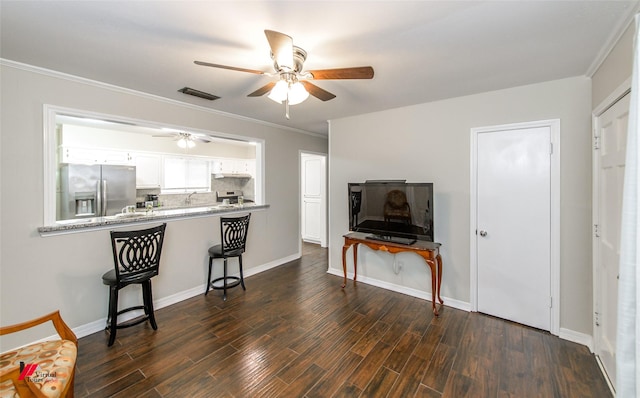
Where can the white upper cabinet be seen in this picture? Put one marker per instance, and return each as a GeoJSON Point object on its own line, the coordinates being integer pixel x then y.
{"type": "Point", "coordinates": [234, 166]}
{"type": "Point", "coordinates": [148, 170]}
{"type": "Point", "coordinates": [216, 166]}
{"type": "Point", "coordinates": [95, 156]}
{"type": "Point", "coordinates": [250, 167]}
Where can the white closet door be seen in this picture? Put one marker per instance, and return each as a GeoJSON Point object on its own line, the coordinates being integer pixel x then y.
{"type": "Point", "coordinates": [609, 159]}
{"type": "Point", "coordinates": [514, 225]}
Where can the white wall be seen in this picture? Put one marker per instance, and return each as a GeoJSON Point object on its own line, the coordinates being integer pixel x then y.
{"type": "Point", "coordinates": [431, 143]}
{"type": "Point", "coordinates": [615, 69]}
{"type": "Point", "coordinates": [39, 275]}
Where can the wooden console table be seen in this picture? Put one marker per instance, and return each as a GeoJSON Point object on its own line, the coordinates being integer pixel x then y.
{"type": "Point", "coordinates": [430, 251]}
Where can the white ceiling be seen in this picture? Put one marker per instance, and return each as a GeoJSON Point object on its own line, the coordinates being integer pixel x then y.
{"type": "Point", "coordinates": [421, 51]}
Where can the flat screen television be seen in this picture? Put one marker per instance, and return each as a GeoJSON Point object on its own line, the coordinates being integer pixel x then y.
{"type": "Point", "coordinates": [392, 210]}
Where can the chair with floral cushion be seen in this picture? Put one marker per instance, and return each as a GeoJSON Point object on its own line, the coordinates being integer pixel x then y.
{"type": "Point", "coordinates": [44, 369]}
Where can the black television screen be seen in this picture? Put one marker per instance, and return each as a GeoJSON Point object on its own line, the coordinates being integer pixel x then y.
{"type": "Point", "coordinates": [392, 209]}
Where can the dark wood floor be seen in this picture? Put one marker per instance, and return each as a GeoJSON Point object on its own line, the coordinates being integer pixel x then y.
{"type": "Point", "coordinates": [295, 333]}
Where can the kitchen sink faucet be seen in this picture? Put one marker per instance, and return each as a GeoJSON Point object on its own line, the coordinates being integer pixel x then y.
{"type": "Point", "coordinates": [188, 199]}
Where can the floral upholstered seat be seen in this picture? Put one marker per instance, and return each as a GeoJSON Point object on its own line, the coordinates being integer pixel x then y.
{"type": "Point", "coordinates": [44, 369]}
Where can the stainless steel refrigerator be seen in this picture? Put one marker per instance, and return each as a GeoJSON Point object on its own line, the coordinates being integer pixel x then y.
{"type": "Point", "coordinates": [95, 190]}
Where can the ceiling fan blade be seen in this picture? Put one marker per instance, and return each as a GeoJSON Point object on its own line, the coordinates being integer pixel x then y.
{"type": "Point", "coordinates": [281, 48]}
{"type": "Point", "coordinates": [257, 72]}
{"type": "Point", "coordinates": [262, 90]}
{"type": "Point", "coordinates": [361, 72]}
{"type": "Point", "coordinates": [317, 92]}
{"type": "Point", "coordinates": [172, 136]}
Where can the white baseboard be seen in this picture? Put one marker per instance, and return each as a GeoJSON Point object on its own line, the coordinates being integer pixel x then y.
{"type": "Point", "coordinates": [88, 328]}
{"type": "Point", "coordinates": [606, 376]}
{"type": "Point", "coordinates": [449, 302]}
{"type": "Point", "coordinates": [577, 337]}
{"type": "Point", "coordinates": [565, 334]}
{"type": "Point", "coordinates": [98, 325]}
{"type": "Point", "coordinates": [272, 264]}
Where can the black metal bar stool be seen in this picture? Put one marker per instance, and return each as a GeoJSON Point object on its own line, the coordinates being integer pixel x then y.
{"type": "Point", "coordinates": [233, 233]}
{"type": "Point", "coordinates": [136, 258]}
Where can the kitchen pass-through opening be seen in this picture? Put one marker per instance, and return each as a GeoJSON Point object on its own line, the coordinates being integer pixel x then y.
{"type": "Point", "coordinates": [97, 165]}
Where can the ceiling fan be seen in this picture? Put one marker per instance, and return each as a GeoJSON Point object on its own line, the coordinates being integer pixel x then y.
{"type": "Point", "coordinates": [293, 85]}
{"type": "Point", "coordinates": [184, 139]}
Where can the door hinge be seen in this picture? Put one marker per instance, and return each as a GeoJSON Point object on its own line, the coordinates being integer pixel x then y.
{"type": "Point", "coordinates": [551, 148]}
{"type": "Point", "coordinates": [596, 142]}
{"type": "Point", "coordinates": [597, 318]}
{"type": "Point", "coordinates": [550, 302]}
{"type": "Point", "coordinates": [596, 230]}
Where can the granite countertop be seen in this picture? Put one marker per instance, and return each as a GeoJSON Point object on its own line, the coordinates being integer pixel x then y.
{"type": "Point", "coordinates": [139, 217]}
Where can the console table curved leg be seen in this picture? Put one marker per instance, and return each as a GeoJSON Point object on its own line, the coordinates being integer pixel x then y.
{"type": "Point", "coordinates": [439, 262]}
{"type": "Point", "coordinates": [344, 264]}
{"type": "Point", "coordinates": [355, 263]}
{"type": "Point", "coordinates": [434, 285]}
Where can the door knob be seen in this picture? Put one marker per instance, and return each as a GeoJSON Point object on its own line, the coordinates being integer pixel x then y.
{"type": "Point", "coordinates": [483, 233]}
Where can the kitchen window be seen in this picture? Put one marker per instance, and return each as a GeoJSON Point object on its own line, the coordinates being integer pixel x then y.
{"type": "Point", "coordinates": [162, 164]}
{"type": "Point", "coordinates": [183, 174]}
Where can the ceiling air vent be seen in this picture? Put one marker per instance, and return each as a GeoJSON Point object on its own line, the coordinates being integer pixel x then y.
{"type": "Point", "coordinates": [198, 93]}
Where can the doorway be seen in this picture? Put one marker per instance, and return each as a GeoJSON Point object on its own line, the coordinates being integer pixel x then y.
{"type": "Point", "coordinates": [610, 134]}
{"type": "Point", "coordinates": [313, 195]}
{"type": "Point", "coordinates": [514, 222]}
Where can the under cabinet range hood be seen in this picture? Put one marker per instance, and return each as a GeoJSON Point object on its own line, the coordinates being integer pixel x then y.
{"type": "Point", "coordinates": [231, 175]}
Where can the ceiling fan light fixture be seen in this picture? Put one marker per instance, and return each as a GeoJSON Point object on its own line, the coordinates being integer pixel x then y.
{"type": "Point", "coordinates": [279, 91]}
{"type": "Point", "coordinates": [288, 63]}
{"type": "Point", "coordinates": [297, 93]}
{"type": "Point", "coordinates": [185, 141]}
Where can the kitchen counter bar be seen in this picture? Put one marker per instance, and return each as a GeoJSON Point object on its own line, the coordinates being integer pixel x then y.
{"type": "Point", "coordinates": [143, 217]}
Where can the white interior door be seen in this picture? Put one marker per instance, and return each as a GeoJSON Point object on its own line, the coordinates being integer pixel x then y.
{"type": "Point", "coordinates": [313, 217]}
{"type": "Point", "coordinates": [514, 225]}
{"type": "Point", "coordinates": [609, 161]}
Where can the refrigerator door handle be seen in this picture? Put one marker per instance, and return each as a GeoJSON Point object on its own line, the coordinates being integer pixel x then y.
{"type": "Point", "coordinates": [104, 198]}
{"type": "Point", "coordinates": [99, 198]}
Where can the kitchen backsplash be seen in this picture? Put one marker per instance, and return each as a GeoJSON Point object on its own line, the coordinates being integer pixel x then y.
{"type": "Point", "coordinates": [246, 185]}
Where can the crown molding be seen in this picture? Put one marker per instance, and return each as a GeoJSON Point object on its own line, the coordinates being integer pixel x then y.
{"type": "Point", "coordinates": [613, 39]}
{"type": "Point", "coordinates": [111, 87]}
